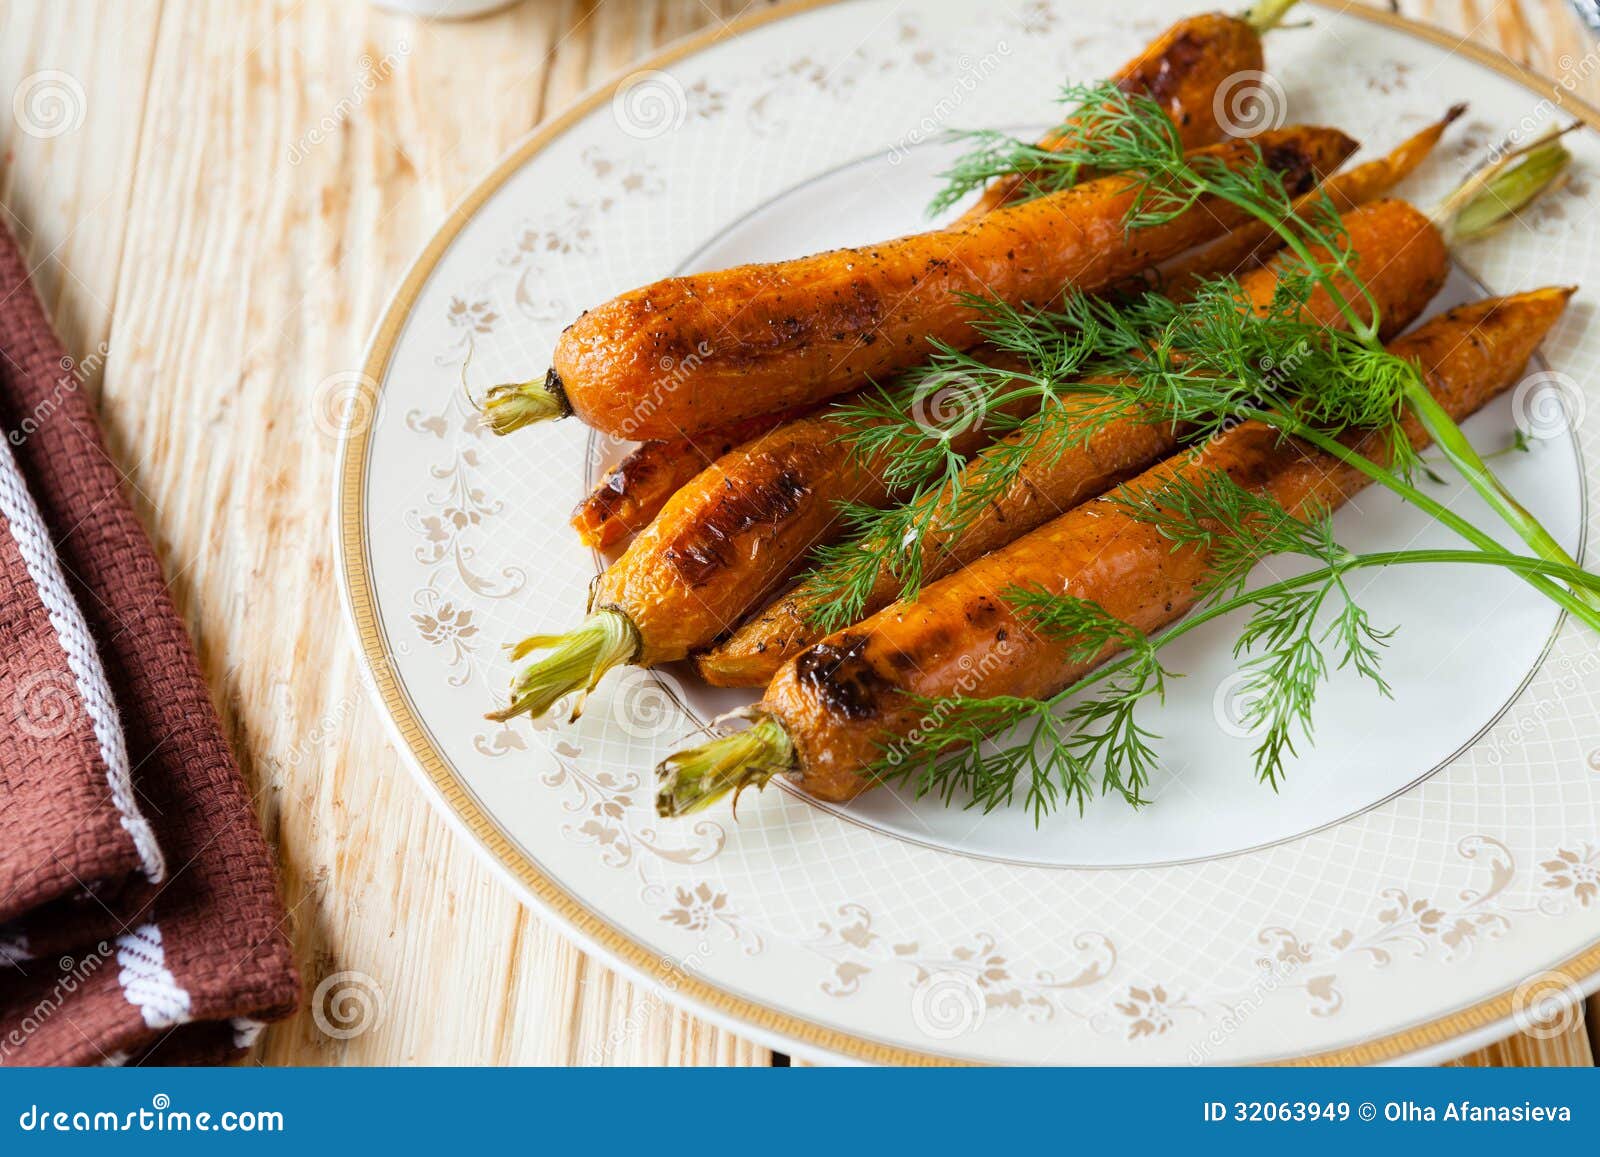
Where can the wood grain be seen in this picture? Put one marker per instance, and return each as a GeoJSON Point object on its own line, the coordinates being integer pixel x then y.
{"type": "Point", "coordinates": [249, 180]}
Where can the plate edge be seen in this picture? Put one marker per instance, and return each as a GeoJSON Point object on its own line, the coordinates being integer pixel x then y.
{"type": "Point", "coordinates": [1434, 1040]}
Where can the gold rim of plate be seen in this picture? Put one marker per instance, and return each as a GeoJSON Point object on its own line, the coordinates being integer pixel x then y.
{"type": "Point", "coordinates": [633, 956]}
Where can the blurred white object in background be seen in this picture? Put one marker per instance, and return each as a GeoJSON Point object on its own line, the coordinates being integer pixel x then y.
{"type": "Point", "coordinates": [1590, 11]}
{"type": "Point", "coordinates": [444, 9]}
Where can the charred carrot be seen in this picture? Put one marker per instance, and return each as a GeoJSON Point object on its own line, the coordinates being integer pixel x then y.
{"type": "Point", "coordinates": [1408, 261]}
{"type": "Point", "coordinates": [757, 338]}
{"type": "Point", "coordinates": [1183, 71]}
{"type": "Point", "coordinates": [633, 492]}
{"type": "Point", "coordinates": [720, 545]}
{"type": "Point", "coordinates": [1249, 245]}
{"type": "Point", "coordinates": [830, 713]}
{"type": "Point", "coordinates": [741, 528]}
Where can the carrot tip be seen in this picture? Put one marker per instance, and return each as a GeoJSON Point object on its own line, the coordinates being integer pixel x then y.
{"type": "Point", "coordinates": [576, 662]}
{"type": "Point", "coordinates": [518, 404]}
{"type": "Point", "coordinates": [693, 780]}
{"type": "Point", "coordinates": [1265, 15]}
{"type": "Point", "coordinates": [1495, 194]}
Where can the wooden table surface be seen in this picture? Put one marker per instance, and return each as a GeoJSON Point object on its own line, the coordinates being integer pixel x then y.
{"type": "Point", "coordinates": [218, 195]}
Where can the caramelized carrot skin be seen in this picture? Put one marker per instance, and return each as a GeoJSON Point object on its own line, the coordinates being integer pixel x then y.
{"type": "Point", "coordinates": [1250, 245]}
{"type": "Point", "coordinates": [1408, 264]}
{"type": "Point", "coordinates": [842, 699]}
{"type": "Point", "coordinates": [740, 528]}
{"type": "Point", "coordinates": [757, 338]}
{"type": "Point", "coordinates": [1181, 70]}
{"type": "Point", "coordinates": [633, 492]}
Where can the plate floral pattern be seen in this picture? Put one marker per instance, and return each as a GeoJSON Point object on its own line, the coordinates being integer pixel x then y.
{"type": "Point", "coordinates": [1470, 897]}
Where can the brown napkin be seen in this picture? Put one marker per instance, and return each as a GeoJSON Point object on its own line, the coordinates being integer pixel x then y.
{"type": "Point", "coordinates": [139, 914]}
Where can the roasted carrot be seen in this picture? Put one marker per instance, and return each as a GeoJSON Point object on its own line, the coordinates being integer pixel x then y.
{"type": "Point", "coordinates": [1182, 70]}
{"type": "Point", "coordinates": [720, 545]}
{"type": "Point", "coordinates": [1408, 261]}
{"type": "Point", "coordinates": [738, 530]}
{"type": "Point", "coordinates": [757, 338]}
{"type": "Point", "coordinates": [1249, 245]}
{"type": "Point", "coordinates": [830, 712]}
{"type": "Point", "coordinates": [633, 492]}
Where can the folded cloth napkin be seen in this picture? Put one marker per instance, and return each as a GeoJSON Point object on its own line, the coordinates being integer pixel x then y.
{"type": "Point", "coordinates": [139, 914]}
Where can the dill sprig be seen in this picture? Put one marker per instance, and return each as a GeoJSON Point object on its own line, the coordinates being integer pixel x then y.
{"type": "Point", "coordinates": [1196, 362]}
{"type": "Point", "coordinates": [1201, 365]}
{"type": "Point", "coordinates": [1236, 527]}
{"type": "Point", "coordinates": [1206, 364]}
{"type": "Point", "coordinates": [896, 541]}
{"type": "Point", "coordinates": [1210, 361]}
{"type": "Point", "coordinates": [997, 156]}
{"type": "Point", "coordinates": [1098, 738]}
{"type": "Point", "coordinates": [1060, 757]}
{"type": "Point", "coordinates": [1088, 739]}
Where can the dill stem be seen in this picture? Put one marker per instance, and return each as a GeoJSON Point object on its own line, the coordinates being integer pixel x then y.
{"type": "Point", "coordinates": [1581, 608]}
{"type": "Point", "coordinates": [1465, 457]}
{"type": "Point", "coordinates": [1443, 429]}
{"type": "Point", "coordinates": [1495, 555]}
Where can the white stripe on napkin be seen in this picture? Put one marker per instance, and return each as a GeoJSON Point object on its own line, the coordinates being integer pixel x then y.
{"type": "Point", "coordinates": [147, 982]}
{"type": "Point", "coordinates": [39, 556]}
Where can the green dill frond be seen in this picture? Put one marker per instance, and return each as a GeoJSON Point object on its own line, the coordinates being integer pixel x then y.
{"type": "Point", "coordinates": [1116, 131]}
{"type": "Point", "coordinates": [1096, 741]}
{"type": "Point", "coordinates": [1053, 344]}
{"type": "Point", "coordinates": [1109, 131]}
{"type": "Point", "coordinates": [1360, 643]}
{"type": "Point", "coordinates": [843, 576]}
{"type": "Point", "coordinates": [1288, 659]}
{"type": "Point", "coordinates": [895, 542]}
{"type": "Point", "coordinates": [1235, 526]}
{"type": "Point", "coordinates": [1096, 746]}
{"type": "Point", "coordinates": [1088, 626]}
{"type": "Point", "coordinates": [997, 156]}
{"type": "Point", "coordinates": [1202, 365]}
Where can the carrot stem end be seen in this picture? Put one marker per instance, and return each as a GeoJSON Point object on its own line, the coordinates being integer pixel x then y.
{"type": "Point", "coordinates": [575, 662]}
{"type": "Point", "coordinates": [517, 404]}
{"type": "Point", "coordinates": [693, 780]}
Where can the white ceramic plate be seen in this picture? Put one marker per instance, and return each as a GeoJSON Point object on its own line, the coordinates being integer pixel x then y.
{"type": "Point", "coordinates": [1431, 869]}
